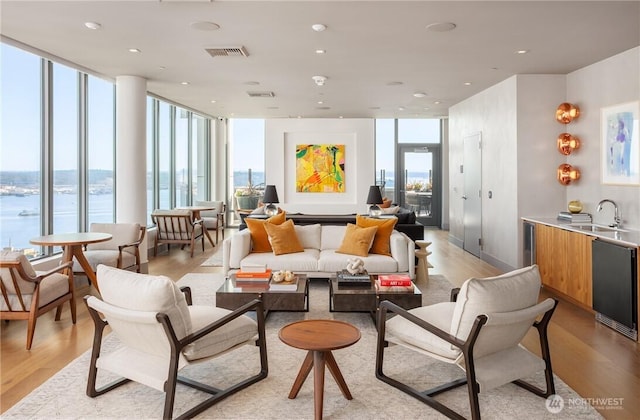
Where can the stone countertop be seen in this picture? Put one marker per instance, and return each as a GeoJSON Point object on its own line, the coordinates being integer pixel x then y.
{"type": "Point", "coordinates": [624, 236]}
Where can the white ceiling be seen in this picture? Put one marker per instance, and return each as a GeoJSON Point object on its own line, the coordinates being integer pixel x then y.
{"type": "Point", "coordinates": [369, 45]}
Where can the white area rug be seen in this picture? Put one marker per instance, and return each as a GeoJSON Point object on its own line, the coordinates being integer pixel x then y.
{"type": "Point", "coordinates": [63, 396]}
{"type": "Point", "coordinates": [216, 259]}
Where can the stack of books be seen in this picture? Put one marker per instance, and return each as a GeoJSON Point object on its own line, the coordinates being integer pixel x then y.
{"type": "Point", "coordinates": [347, 279]}
{"type": "Point", "coordinates": [253, 276]}
{"type": "Point", "coordinates": [574, 217]}
{"type": "Point", "coordinates": [394, 283]}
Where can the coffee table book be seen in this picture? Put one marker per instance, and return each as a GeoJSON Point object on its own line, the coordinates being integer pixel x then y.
{"type": "Point", "coordinates": [347, 279]}
{"type": "Point", "coordinates": [394, 280]}
{"type": "Point", "coordinates": [284, 286]}
{"type": "Point", "coordinates": [404, 289]}
{"type": "Point", "coordinates": [253, 276]}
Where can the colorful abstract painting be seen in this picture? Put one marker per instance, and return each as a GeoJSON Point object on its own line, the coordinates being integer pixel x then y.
{"type": "Point", "coordinates": [320, 168]}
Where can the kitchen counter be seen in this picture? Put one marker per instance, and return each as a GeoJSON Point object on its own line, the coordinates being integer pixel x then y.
{"type": "Point", "coordinates": [626, 237]}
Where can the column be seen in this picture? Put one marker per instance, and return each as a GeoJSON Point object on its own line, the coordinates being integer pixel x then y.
{"type": "Point", "coordinates": [131, 153]}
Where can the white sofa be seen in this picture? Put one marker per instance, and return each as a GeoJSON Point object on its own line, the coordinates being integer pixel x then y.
{"type": "Point", "coordinates": [319, 258]}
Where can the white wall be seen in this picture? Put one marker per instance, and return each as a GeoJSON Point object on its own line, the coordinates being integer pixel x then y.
{"type": "Point", "coordinates": [357, 135]}
{"type": "Point", "coordinates": [516, 119]}
{"type": "Point", "coordinates": [609, 82]}
{"type": "Point", "coordinates": [519, 156]}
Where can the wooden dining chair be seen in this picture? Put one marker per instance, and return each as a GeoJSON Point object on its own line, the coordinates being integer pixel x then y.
{"type": "Point", "coordinates": [177, 227]}
{"type": "Point", "coordinates": [27, 294]}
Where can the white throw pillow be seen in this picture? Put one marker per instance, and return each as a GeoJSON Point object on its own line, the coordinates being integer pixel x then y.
{"type": "Point", "coordinates": [309, 235]}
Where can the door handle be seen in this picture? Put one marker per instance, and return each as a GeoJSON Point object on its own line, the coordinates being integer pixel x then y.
{"type": "Point", "coordinates": [464, 197]}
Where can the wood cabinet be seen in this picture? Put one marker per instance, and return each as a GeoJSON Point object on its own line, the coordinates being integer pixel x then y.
{"type": "Point", "coordinates": [564, 260]}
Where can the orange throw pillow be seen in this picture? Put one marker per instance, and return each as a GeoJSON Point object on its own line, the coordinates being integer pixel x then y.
{"type": "Point", "coordinates": [259, 237]}
{"type": "Point", "coordinates": [381, 242]}
{"type": "Point", "coordinates": [283, 238]}
{"type": "Point", "coordinates": [357, 240]}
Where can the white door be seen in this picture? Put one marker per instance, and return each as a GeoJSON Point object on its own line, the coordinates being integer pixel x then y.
{"type": "Point", "coordinates": [472, 207]}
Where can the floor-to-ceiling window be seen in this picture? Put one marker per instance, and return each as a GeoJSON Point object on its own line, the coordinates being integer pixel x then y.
{"type": "Point", "coordinates": [412, 149]}
{"type": "Point", "coordinates": [57, 151]}
{"type": "Point", "coordinates": [246, 155]}
{"type": "Point", "coordinates": [100, 150]}
{"type": "Point", "coordinates": [65, 123]}
{"type": "Point", "coordinates": [20, 147]}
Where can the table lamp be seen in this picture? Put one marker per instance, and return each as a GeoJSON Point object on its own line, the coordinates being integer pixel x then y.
{"type": "Point", "coordinates": [374, 198]}
{"type": "Point", "coordinates": [271, 197]}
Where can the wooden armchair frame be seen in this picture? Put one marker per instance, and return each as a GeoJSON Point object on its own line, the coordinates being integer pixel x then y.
{"type": "Point", "coordinates": [177, 227]}
{"type": "Point", "coordinates": [35, 310]}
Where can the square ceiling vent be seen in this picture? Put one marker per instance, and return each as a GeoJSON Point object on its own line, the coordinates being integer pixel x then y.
{"type": "Point", "coordinates": [228, 52]}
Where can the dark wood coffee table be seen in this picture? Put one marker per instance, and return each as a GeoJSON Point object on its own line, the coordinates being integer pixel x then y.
{"type": "Point", "coordinates": [319, 337]}
{"type": "Point", "coordinates": [367, 299]}
{"type": "Point", "coordinates": [233, 294]}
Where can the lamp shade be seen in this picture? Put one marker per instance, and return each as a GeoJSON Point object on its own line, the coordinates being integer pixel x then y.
{"type": "Point", "coordinates": [270, 194]}
{"type": "Point", "coordinates": [375, 196]}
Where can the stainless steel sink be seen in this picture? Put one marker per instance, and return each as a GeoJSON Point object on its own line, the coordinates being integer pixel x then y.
{"type": "Point", "coordinates": [590, 227]}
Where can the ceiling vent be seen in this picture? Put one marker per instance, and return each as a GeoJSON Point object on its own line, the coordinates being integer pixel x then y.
{"type": "Point", "coordinates": [227, 52]}
{"type": "Point", "coordinates": [261, 94]}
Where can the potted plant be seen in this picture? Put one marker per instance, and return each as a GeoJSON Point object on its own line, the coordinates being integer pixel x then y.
{"type": "Point", "coordinates": [247, 197]}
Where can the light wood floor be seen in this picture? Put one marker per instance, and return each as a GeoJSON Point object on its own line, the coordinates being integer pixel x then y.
{"type": "Point", "coordinates": [594, 360]}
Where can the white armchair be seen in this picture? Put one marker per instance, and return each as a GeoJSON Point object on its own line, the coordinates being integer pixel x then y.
{"type": "Point", "coordinates": [480, 332]}
{"type": "Point", "coordinates": [27, 294]}
{"type": "Point", "coordinates": [213, 219]}
{"type": "Point", "coordinates": [160, 333]}
{"type": "Point", "coordinates": [121, 251]}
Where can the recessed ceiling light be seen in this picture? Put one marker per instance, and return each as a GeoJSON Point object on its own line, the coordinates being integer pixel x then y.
{"type": "Point", "coordinates": [184, 83]}
{"type": "Point", "coordinates": [467, 83]}
{"type": "Point", "coordinates": [400, 108]}
{"type": "Point", "coordinates": [134, 50]}
{"type": "Point", "coordinates": [522, 51]}
{"type": "Point", "coordinates": [441, 27]}
{"type": "Point", "coordinates": [318, 27]}
{"type": "Point", "coordinates": [161, 68]}
{"type": "Point", "coordinates": [437, 102]}
{"type": "Point", "coordinates": [205, 26]}
{"type": "Point", "coordinates": [320, 102]}
{"type": "Point", "coordinates": [426, 108]}
{"type": "Point", "coordinates": [419, 94]}
{"type": "Point", "coordinates": [93, 25]}
{"type": "Point", "coordinates": [394, 83]}
{"type": "Point", "coordinates": [213, 101]}
{"type": "Point", "coordinates": [321, 51]}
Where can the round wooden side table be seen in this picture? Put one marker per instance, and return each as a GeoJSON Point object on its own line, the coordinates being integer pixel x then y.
{"type": "Point", "coordinates": [319, 337]}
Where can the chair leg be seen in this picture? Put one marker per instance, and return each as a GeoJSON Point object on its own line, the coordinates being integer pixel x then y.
{"type": "Point", "coordinates": [31, 328]}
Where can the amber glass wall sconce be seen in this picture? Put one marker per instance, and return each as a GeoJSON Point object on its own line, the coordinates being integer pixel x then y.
{"type": "Point", "coordinates": [567, 174]}
{"type": "Point", "coordinates": [567, 112]}
{"type": "Point", "coordinates": [567, 143]}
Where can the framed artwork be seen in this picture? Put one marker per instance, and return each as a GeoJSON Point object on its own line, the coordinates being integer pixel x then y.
{"type": "Point", "coordinates": [320, 168]}
{"type": "Point", "coordinates": [620, 153]}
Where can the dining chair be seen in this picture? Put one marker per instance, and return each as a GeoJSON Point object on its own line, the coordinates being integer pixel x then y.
{"type": "Point", "coordinates": [177, 227]}
{"type": "Point", "coordinates": [27, 294]}
{"type": "Point", "coordinates": [213, 219]}
{"type": "Point", "coordinates": [480, 331]}
{"type": "Point", "coordinates": [121, 251]}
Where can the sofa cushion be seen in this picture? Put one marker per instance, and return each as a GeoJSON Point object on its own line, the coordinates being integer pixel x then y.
{"type": "Point", "coordinates": [381, 239]}
{"type": "Point", "coordinates": [405, 216]}
{"type": "Point", "coordinates": [259, 237]}
{"type": "Point", "coordinates": [306, 261]}
{"type": "Point", "coordinates": [357, 240]}
{"type": "Point", "coordinates": [390, 210]}
{"type": "Point", "coordinates": [330, 261]}
{"type": "Point", "coordinates": [309, 235]}
{"type": "Point", "coordinates": [283, 238]}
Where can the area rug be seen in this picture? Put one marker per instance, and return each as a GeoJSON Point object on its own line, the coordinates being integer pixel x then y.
{"type": "Point", "coordinates": [63, 396]}
{"type": "Point", "coordinates": [216, 259]}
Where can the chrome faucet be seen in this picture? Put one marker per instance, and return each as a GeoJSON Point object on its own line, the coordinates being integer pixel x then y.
{"type": "Point", "coordinates": [616, 214]}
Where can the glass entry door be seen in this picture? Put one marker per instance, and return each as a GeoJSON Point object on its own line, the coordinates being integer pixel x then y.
{"type": "Point", "coordinates": [419, 182]}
